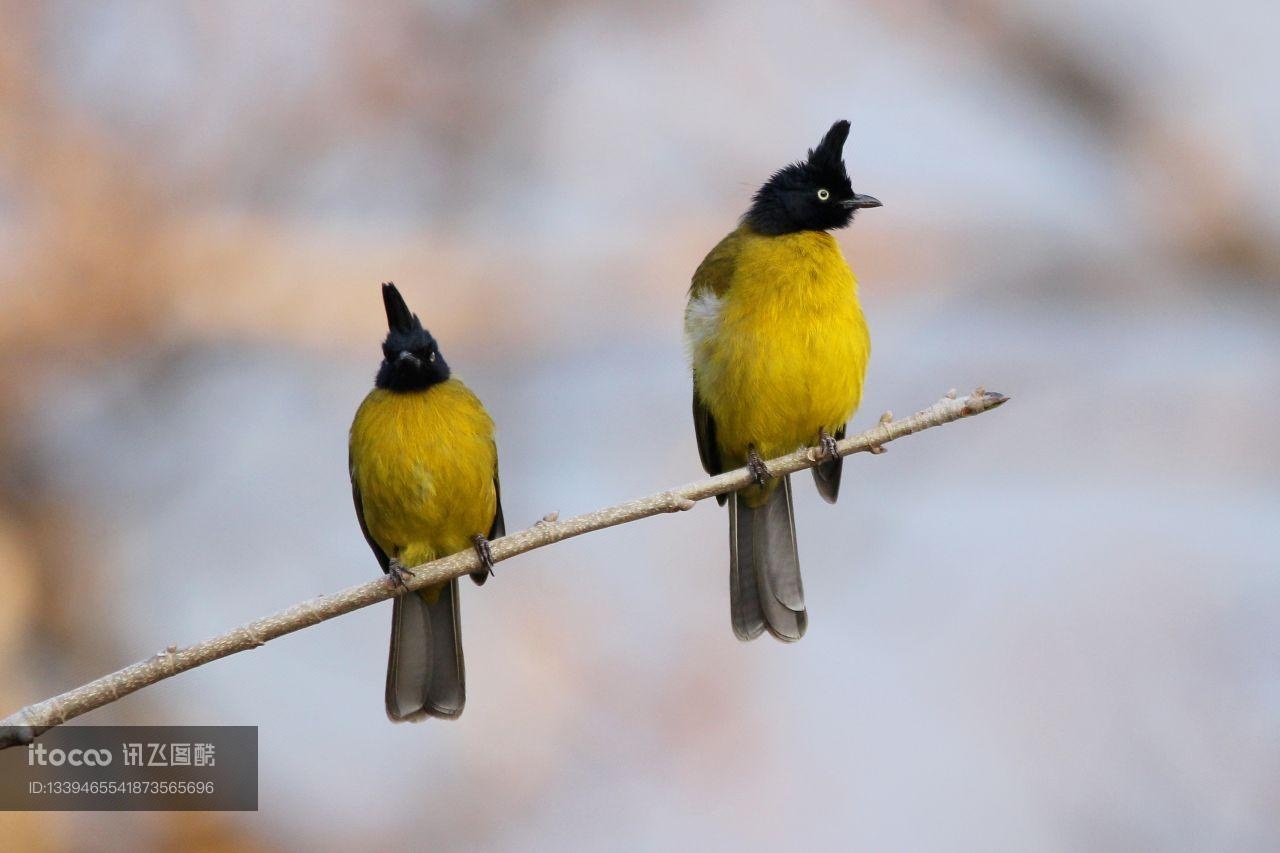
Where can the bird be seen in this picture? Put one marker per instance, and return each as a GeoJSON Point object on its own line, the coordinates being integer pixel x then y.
{"type": "Point", "coordinates": [779, 349]}
{"type": "Point", "coordinates": [423, 461]}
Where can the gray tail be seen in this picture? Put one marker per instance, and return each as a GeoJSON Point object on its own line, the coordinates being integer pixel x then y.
{"type": "Point", "coordinates": [765, 592]}
{"type": "Point", "coordinates": [425, 676]}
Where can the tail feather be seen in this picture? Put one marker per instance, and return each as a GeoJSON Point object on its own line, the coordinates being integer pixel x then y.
{"type": "Point", "coordinates": [744, 602]}
{"type": "Point", "coordinates": [425, 673]}
{"type": "Point", "coordinates": [766, 592]}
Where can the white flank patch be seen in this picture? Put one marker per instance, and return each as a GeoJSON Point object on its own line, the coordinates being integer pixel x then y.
{"type": "Point", "coordinates": [702, 320]}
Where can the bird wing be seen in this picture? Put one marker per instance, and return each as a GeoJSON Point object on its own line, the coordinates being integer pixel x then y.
{"type": "Point", "coordinates": [713, 276]}
{"type": "Point", "coordinates": [826, 474]}
{"type": "Point", "coordinates": [715, 273]}
{"type": "Point", "coordinates": [704, 426]}
{"type": "Point", "coordinates": [383, 559]}
{"type": "Point", "coordinates": [498, 528]}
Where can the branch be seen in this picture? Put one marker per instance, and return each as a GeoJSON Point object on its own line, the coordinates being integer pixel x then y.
{"type": "Point", "coordinates": [30, 722]}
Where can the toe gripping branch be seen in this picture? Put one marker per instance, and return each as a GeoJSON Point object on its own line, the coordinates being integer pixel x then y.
{"type": "Point", "coordinates": [398, 573]}
{"type": "Point", "coordinates": [759, 471]}
{"type": "Point", "coordinates": [484, 552]}
{"type": "Point", "coordinates": [828, 444]}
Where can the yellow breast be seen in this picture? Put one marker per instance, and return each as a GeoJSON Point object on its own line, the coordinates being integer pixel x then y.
{"type": "Point", "coordinates": [779, 343]}
{"type": "Point", "coordinates": [424, 463]}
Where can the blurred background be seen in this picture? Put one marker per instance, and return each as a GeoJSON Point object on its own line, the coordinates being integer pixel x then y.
{"type": "Point", "coordinates": [1056, 627]}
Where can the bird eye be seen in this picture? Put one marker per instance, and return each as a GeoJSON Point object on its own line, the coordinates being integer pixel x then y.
{"type": "Point", "coordinates": [823, 195]}
{"type": "Point", "coordinates": [431, 356]}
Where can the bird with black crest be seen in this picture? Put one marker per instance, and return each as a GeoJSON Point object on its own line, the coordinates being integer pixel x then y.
{"type": "Point", "coordinates": [779, 349]}
{"type": "Point", "coordinates": [424, 476]}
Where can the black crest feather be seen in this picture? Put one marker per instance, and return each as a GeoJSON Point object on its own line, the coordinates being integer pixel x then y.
{"type": "Point", "coordinates": [399, 317]}
{"type": "Point", "coordinates": [829, 155]}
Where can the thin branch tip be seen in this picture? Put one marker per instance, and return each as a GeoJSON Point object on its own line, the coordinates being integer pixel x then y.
{"type": "Point", "coordinates": [981, 400]}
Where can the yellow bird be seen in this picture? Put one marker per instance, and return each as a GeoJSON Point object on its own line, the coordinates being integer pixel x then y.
{"type": "Point", "coordinates": [779, 349]}
{"type": "Point", "coordinates": [424, 475]}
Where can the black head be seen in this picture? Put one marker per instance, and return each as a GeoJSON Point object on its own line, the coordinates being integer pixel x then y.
{"type": "Point", "coordinates": [814, 195]}
{"type": "Point", "coordinates": [411, 360]}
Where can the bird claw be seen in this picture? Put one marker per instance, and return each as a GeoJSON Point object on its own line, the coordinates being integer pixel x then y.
{"type": "Point", "coordinates": [828, 443]}
{"type": "Point", "coordinates": [484, 552]}
{"type": "Point", "coordinates": [397, 573]}
{"type": "Point", "coordinates": [759, 471]}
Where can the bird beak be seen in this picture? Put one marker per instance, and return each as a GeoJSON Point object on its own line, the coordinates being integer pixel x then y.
{"type": "Point", "coordinates": [862, 201]}
{"type": "Point", "coordinates": [409, 357]}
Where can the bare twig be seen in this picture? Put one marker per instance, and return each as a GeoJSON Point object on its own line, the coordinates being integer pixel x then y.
{"type": "Point", "coordinates": [28, 723]}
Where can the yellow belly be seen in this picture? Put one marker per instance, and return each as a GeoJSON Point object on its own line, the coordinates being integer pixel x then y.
{"type": "Point", "coordinates": [424, 463]}
{"type": "Point", "coordinates": [785, 354]}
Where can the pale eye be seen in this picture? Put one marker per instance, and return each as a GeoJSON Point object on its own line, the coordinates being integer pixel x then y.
{"type": "Point", "coordinates": [431, 356]}
{"type": "Point", "coordinates": [823, 195]}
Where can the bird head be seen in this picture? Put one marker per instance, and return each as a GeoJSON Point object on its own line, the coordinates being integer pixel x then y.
{"type": "Point", "coordinates": [411, 359]}
{"type": "Point", "coordinates": [812, 195]}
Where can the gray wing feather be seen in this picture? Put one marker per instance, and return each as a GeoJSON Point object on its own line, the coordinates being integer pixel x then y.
{"type": "Point", "coordinates": [364, 528]}
{"type": "Point", "coordinates": [704, 427]}
{"type": "Point", "coordinates": [826, 474]}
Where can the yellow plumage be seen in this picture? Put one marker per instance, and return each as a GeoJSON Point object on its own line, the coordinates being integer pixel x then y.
{"type": "Point", "coordinates": [778, 340]}
{"type": "Point", "coordinates": [425, 464]}
{"type": "Point", "coordinates": [424, 481]}
{"type": "Point", "coordinates": [779, 349]}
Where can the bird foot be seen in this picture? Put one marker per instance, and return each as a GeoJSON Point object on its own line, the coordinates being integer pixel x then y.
{"type": "Point", "coordinates": [828, 445]}
{"type": "Point", "coordinates": [759, 472]}
{"type": "Point", "coordinates": [484, 552]}
{"type": "Point", "coordinates": [397, 573]}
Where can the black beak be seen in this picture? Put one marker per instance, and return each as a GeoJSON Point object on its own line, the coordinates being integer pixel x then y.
{"type": "Point", "coordinates": [409, 357]}
{"type": "Point", "coordinates": [862, 201]}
